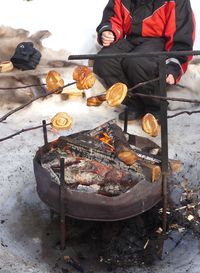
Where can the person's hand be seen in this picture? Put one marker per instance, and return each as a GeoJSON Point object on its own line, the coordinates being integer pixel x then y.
{"type": "Point", "coordinates": [170, 79]}
{"type": "Point", "coordinates": [107, 38]}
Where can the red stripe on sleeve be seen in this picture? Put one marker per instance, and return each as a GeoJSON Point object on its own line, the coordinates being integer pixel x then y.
{"type": "Point", "coordinates": [117, 21]}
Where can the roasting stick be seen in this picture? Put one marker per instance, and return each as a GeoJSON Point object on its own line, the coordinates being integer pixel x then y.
{"type": "Point", "coordinates": [22, 131]}
{"type": "Point", "coordinates": [137, 85]}
{"type": "Point", "coordinates": [22, 87]}
{"type": "Point", "coordinates": [59, 89]}
{"type": "Point", "coordinates": [130, 94]}
{"type": "Point", "coordinates": [164, 98]}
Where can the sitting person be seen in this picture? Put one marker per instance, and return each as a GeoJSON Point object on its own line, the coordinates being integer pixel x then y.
{"type": "Point", "coordinates": [144, 26]}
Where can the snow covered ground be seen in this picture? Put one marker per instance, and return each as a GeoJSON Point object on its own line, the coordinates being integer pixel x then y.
{"type": "Point", "coordinates": [72, 23]}
{"type": "Point", "coordinates": [27, 239]}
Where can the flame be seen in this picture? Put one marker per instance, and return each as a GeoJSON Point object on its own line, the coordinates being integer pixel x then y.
{"type": "Point", "coordinates": [106, 139]}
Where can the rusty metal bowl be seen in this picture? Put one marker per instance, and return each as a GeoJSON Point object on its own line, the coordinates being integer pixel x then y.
{"type": "Point", "coordinates": [91, 206]}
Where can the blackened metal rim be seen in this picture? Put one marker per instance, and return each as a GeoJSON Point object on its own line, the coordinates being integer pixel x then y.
{"type": "Point", "coordinates": [98, 219]}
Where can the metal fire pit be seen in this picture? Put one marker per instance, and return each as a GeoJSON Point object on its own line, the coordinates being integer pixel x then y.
{"type": "Point", "coordinates": [92, 206]}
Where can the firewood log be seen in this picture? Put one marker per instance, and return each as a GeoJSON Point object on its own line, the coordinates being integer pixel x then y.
{"type": "Point", "coordinates": [100, 128]}
{"type": "Point", "coordinates": [151, 172]}
{"type": "Point", "coordinates": [122, 147]}
{"type": "Point", "coordinates": [85, 150]}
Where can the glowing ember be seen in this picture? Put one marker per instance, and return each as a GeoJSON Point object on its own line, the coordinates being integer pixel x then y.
{"type": "Point", "coordinates": [105, 138]}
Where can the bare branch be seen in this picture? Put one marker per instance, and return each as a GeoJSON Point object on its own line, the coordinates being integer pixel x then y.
{"type": "Point", "coordinates": [22, 87]}
{"type": "Point", "coordinates": [142, 84]}
{"type": "Point", "coordinates": [57, 90]}
{"type": "Point", "coordinates": [164, 98]}
{"type": "Point", "coordinates": [22, 131]}
{"type": "Point", "coordinates": [183, 112]}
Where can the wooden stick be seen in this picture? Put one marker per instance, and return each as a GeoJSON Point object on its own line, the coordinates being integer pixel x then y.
{"type": "Point", "coordinates": [184, 112]}
{"type": "Point", "coordinates": [22, 87]}
{"type": "Point", "coordinates": [143, 83]}
{"type": "Point", "coordinates": [122, 147]}
{"type": "Point", "coordinates": [22, 131]}
{"type": "Point", "coordinates": [59, 89]}
{"type": "Point", "coordinates": [163, 98]}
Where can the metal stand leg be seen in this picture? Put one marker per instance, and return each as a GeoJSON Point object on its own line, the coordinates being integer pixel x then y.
{"type": "Point", "coordinates": [165, 202]}
{"type": "Point", "coordinates": [126, 120]}
{"type": "Point", "coordinates": [164, 138]}
{"type": "Point", "coordinates": [51, 214]}
{"type": "Point", "coordinates": [62, 206]}
{"type": "Point", "coordinates": [45, 132]}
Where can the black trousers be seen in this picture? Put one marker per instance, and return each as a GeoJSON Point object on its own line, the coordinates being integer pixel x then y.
{"type": "Point", "coordinates": [132, 70]}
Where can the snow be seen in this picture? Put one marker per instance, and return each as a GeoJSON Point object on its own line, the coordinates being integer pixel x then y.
{"type": "Point", "coordinates": [72, 24]}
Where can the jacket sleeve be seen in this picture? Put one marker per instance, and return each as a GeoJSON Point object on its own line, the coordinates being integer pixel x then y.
{"type": "Point", "coordinates": [112, 20]}
{"type": "Point", "coordinates": [180, 34]}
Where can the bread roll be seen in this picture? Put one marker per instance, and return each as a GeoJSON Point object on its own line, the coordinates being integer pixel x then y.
{"type": "Point", "coordinates": [84, 77]}
{"type": "Point", "coordinates": [80, 72]}
{"type": "Point", "coordinates": [150, 125]}
{"type": "Point", "coordinates": [61, 121]}
{"type": "Point", "coordinates": [54, 80]}
{"type": "Point", "coordinates": [116, 94]}
{"type": "Point", "coordinates": [87, 82]}
{"type": "Point", "coordinates": [6, 66]}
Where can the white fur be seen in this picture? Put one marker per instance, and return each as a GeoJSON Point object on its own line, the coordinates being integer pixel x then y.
{"type": "Point", "coordinates": [50, 59]}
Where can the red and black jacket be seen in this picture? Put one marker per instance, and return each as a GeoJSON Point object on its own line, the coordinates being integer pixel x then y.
{"type": "Point", "coordinates": [169, 19]}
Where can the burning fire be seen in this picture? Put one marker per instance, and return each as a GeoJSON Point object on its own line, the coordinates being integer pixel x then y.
{"type": "Point", "coordinates": [105, 138]}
